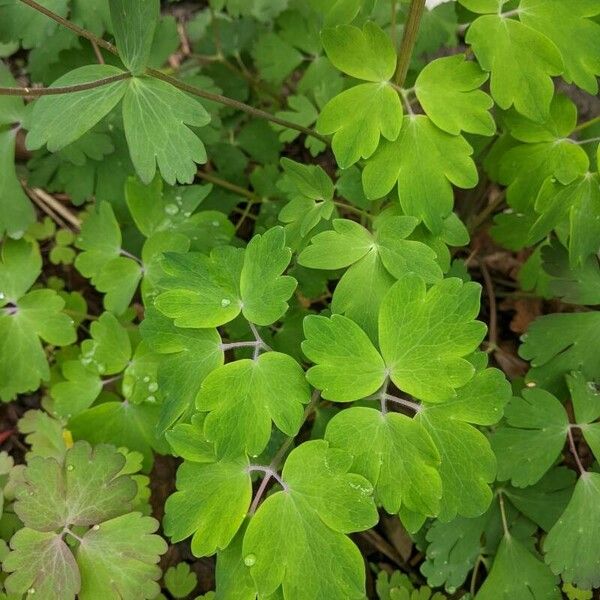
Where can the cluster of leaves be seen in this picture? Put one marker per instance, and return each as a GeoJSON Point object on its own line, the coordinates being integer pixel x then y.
{"type": "Point", "coordinates": [324, 361]}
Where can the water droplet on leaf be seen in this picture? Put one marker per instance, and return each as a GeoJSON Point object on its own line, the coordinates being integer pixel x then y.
{"type": "Point", "coordinates": [171, 209]}
{"type": "Point", "coordinates": [250, 560]}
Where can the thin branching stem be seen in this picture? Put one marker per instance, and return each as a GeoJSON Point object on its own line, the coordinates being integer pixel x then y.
{"type": "Point", "coordinates": [503, 514]}
{"type": "Point", "coordinates": [33, 92]}
{"type": "Point", "coordinates": [404, 402]}
{"type": "Point", "coordinates": [186, 87]}
{"type": "Point", "coordinates": [574, 452]}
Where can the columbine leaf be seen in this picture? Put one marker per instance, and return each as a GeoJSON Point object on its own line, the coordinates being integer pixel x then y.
{"type": "Point", "coordinates": [80, 387]}
{"type": "Point", "coordinates": [572, 546]}
{"type": "Point", "coordinates": [109, 348]}
{"type": "Point", "coordinates": [347, 365]}
{"type": "Point", "coordinates": [210, 504]}
{"type": "Point", "coordinates": [448, 90]}
{"type": "Point", "coordinates": [585, 397]}
{"type": "Point", "coordinates": [180, 580]}
{"type": "Point", "coordinates": [133, 24]}
{"type": "Point", "coordinates": [575, 34]}
{"type": "Point", "coordinates": [21, 22]}
{"type": "Point", "coordinates": [85, 490]}
{"type": "Point", "coordinates": [29, 317]}
{"type": "Point", "coordinates": [366, 54]}
{"type": "Point", "coordinates": [156, 117]}
{"type": "Point", "coordinates": [533, 438]}
{"type": "Point", "coordinates": [395, 453]}
{"type": "Point", "coordinates": [416, 324]}
{"type": "Point", "coordinates": [208, 291]}
{"type": "Point", "coordinates": [58, 120]}
{"type": "Point", "coordinates": [187, 357]}
{"type": "Point", "coordinates": [424, 161]}
{"type": "Point", "coordinates": [118, 559]}
{"type": "Point", "coordinates": [535, 580]}
{"type": "Point", "coordinates": [244, 396]}
{"type": "Point", "coordinates": [558, 344]}
{"type": "Point", "coordinates": [468, 465]}
{"type": "Point", "coordinates": [53, 574]}
{"type": "Point", "coordinates": [521, 61]}
{"type": "Point", "coordinates": [307, 523]}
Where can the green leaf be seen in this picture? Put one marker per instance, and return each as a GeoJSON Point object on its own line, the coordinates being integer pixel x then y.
{"type": "Point", "coordinates": [306, 523]}
{"type": "Point", "coordinates": [533, 438]}
{"type": "Point", "coordinates": [448, 90]}
{"type": "Point", "coordinates": [134, 22]}
{"type": "Point", "coordinates": [366, 54]}
{"type": "Point", "coordinates": [244, 396]}
{"type": "Point", "coordinates": [395, 453]}
{"type": "Point", "coordinates": [275, 59]}
{"type": "Point", "coordinates": [16, 212]}
{"type": "Point", "coordinates": [416, 323]}
{"type": "Point", "coordinates": [180, 580]}
{"type": "Point", "coordinates": [203, 291]}
{"type": "Point", "coordinates": [558, 344]}
{"type": "Point", "coordinates": [84, 490]}
{"type": "Point", "coordinates": [157, 117]}
{"type": "Point", "coordinates": [52, 575]}
{"type": "Point", "coordinates": [535, 580]}
{"type": "Point", "coordinates": [21, 22]}
{"type": "Point", "coordinates": [210, 504]}
{"type": "Point", "coordinates": [357, 118]}
{"type": "Point", "coordinates": [59, 120]}
{"type": "Point", "coordinates": [308, 181]}
{"type": "Point", "coordinates": [187, 357]}
{"type": "Point", "coordinates": [575, 34]}
{"type": "Point", "coordinates": [585, 398]}
{"type": "Point", "coordinates": [468, 465]}
{"type": "Point", "coordinates": [521, 62]}
{"type": "Point", "coordinates": [424, 161]}
{"type": "Point", "coordinates": [80, 387]}
{"type": "Point", "coordinates": [119, 559]}
{"type": "Point", "coordinates": [348, 367]}
{"type": "Point", "coordinates": [573, 204]}
{"type": "Point", "coordinates": [571, 547]}
{"type": "Point", "coordinates": [43, 434]}
{"type": "Point", "coordinates": [264, 290]}
{"type": "Point", "coordinates": [109, 348]}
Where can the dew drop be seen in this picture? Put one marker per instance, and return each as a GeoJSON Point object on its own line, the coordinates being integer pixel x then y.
{"type": "Point", "coordinates": [187, 214]}
{"type": "Point", "coordinates": [171, 209]}
{"type": "Point", "coordinates": [178, 199]}
{"type": "Point", "coordinates": [215, 223]}
{"type": "Point", "coordinates": [31, 591]}
{"type": "Point", "coordinates": [151, 399]}
{"type": "Point", "coordinates": [1, 296]}
{"type": "Point", "coordinates": [225, 302]}
{"type": "Point", "coordinates": [153, 387]}
{"type": "Point", "coordinates": [101, 368]}
{"type": "Point", "coordinates": [96, 527]}
{"type": "Point", "coordinates": [250, 560]}
{"type": "Point", "coordinates": [146, 379]}
{"type": "Point", "coordinates": [70, 467]}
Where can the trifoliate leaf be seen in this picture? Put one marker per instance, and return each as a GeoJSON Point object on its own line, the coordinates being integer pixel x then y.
{"type": "Point", "coordinates": [133, 25]}
{"type": "Point", "coordinates": [575, 34]}
{"type": "Point", "coordinates": [84, 490]}
{"type": "Point", "coordinates": [545, 501]}
{"type": "Point", "coordinates": [347, 365]}
{"type": "Point", "coordinates": [532, 439]}
{"type": "Point", "coordinates": [41, 564]}
{"type": "Point", "coordinates": [571, 547]}
{"type": "Point", "coordinates": [535, 579]}
{"type": "Point", "coordinates": [59, 120]}
{"type": "Point", "coordinates": [306, 523]}
{"type": "Point", "coordinates": [275, 58]}
{"type": "Point", "coordinates": [118, 559]}
{"type": "Point", "coordinates": [118, 281]}
{"type": "Point", "coordinates": [210, 504]}
{"type": "Point", "coordinates": [208, 291]}
{"type": "Point", "coordinates": [109, 348]}
{"type": "Point", "coordinates": [244, 396]}
{"type": "Point", "coordinates": [416, 324]}
{"type": "Point", "coordinates": [157, 117]}
{"type": "Point", "coordinates": [366, 54]}
{"type": "Point", "coordinates": [424, 161]}
{"type": "Point", "coordinates": [521, 61]}
{"type": "Point", "coordinates": [187, 357]}
{"type": "Point", "coordinates": [25, 318]}
{"type": "Point", "coordinates": [308, 181]}
{"type": "Point", "coordinates": [559, 344]}
{"type": "Point", "coordinates": [357, 118]}
{"type": "Point", "coordinates": [448, 90]}
{"type": "Point", "coordinates": [395, 453]}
